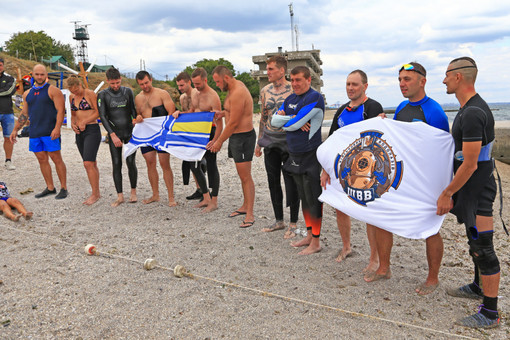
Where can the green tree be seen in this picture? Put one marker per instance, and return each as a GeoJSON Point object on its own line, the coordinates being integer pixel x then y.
{"type": "Point", "coordinates": [35, 45]}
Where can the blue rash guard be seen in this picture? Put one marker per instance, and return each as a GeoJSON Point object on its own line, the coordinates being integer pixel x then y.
{"type": "Point", "coordinates": [299, 110]}
{"type": "Point", "coordinates": [346, 115]}
{"type": "Point", "coordinates": [426, 110]}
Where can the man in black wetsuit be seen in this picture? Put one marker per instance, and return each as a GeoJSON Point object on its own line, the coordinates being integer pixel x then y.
{"type": "Point", "coordinates": [117, 110]}
{"type": "Point", "coordinates": [473, 190]}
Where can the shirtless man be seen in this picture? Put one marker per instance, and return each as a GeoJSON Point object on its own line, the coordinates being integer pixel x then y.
{"type": "Point", "coordinates": [239, 129]}
{"type": "Point", "coordinates": [154, 102]}
{"type": "Point", "coordinates": [206, 99]}
{"type": "Point", "coordinates": [183, 81]}
{"type": "Point", "coordinates": [276, 151]}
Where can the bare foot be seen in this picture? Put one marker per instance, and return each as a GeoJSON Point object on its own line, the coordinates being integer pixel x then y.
{"type": "Point", "coordinates": [133, 198]}
{"type": "Point", "coordinates": [202, 204]}
{"type": "Point", "coordinates": [151, 200]}
{"type": "Point", "coordinates": [15, 218]}
{"type": "Point", "coordinates": [344, 253]}
{"type": "Point", "coordinates": [371, 267]}
{"type": "Point", "coordinates": [118, 202]}
{"type": "Point", "coordinates": [211, 207]}
{"type": "Point", "coordinates": [426, 288]}
{"type": "Point", "coordinates": [172, 203]}
{"type": "Point", "coordinates": [374, 276]}
{"type": "Point", "coordinates": [290, 233]}
{"type": "Point", "coordinates": [91, 200]}
{"type": "Point", "coordinates": [310, 250]}
{"type": "Point", "coordinates": [28, 215]}
{"type": "Point", "coordinates": [274, 227]}
{"type": "Point", "coordinates": [303, 243]}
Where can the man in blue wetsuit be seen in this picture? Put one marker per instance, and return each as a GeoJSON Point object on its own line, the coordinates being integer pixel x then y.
{"type": "Point", "coordinates": [418, 108]}
{"type": "Point", "coordinates": [359, 108]}
{"type": "Point", "coordinates": [45, 108]}
{"type": "Point", "coordinates": [301, 116]}
{"type": "Point", "coordinates": [473, 190]}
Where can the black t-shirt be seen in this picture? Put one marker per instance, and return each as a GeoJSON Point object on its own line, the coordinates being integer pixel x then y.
{"type": "Point", "coordinates": [346, 115]}
{"type": "Point", "coordinates": [474, 122]}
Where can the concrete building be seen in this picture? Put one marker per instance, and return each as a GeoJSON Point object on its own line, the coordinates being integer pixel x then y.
{"type": "Point", "coordinates": [310, 58]}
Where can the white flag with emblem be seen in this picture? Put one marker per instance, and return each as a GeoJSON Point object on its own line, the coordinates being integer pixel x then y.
{"type": "Point", "coordinates": [389, 173]}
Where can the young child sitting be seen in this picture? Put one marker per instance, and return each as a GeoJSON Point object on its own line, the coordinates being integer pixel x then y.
{"type": "Point", "coordinates": [7, 202]}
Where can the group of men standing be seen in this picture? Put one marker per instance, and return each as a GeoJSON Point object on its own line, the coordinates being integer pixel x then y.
{"type": "Point", "coordinates": [469, 196]}
{"type": "Point", "coordinates": [290, 133]}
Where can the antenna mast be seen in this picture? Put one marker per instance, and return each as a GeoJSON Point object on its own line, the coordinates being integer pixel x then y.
{"type": "Point", "coordinates": [291, 10]}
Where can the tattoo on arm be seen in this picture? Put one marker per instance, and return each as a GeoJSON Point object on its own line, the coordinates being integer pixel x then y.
{"type": "Point", "coordinates": [22, 119]}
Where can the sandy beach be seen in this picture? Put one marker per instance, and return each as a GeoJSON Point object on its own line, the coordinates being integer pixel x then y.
{"type": "Point", "coordinates": [50, 289]}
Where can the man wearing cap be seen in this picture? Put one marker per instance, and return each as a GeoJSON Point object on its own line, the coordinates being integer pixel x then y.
{"type": "Point", "coordinates": [7, 89]}
{"type": "Point", "coordinates": [418, 108]}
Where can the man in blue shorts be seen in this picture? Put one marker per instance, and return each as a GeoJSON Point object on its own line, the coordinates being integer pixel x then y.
{"type": "Point", "coordinates": [473, 190]}
{"type": "Point", "coordinates": [44, 106]}
{"type": "Point", "coordinates": [419, 108]}
{"type": "Point", "coordinates": [301, 116]}
{"type": "Point", "coordinates": [7, 89]}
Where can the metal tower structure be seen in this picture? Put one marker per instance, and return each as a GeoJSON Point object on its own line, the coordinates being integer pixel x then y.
{"type": "Point", "coordinates": [291, 10]}
{"type": "Point", "coordinates": [81, 35]}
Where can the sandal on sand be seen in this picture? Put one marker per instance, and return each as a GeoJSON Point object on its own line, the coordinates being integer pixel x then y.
{"type": "Point", "coordinates": [246, 224]}
{"type": "Point", "coordinates": [425, 289]}
{"type": "Point", "coordinates": [371, 276]}
{"type": "Point", "coordinates": [274, 227]}
{"type": "Point", "coordinates": [237, 213]}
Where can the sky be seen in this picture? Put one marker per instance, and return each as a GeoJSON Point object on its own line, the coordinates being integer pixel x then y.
{"type": "Point", "coordinates": [375, 36]}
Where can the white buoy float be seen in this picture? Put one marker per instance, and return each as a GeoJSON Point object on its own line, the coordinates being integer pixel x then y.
{"type": "Point", "coordinates": [150, 264]}
{"type": "Point", "coordinates": [90, 249]}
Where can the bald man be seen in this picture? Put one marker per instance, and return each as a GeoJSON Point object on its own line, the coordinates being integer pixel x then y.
{"type": "Point", "coordinates": [472, 191]}
{"type": "Point", "coordinates": [45, 108]}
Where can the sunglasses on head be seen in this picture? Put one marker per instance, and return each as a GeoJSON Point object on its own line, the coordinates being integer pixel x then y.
{"type": "Point", "coordinates": [409, 67]}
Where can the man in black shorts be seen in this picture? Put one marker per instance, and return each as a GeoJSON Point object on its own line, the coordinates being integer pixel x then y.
{"type": "Point", "coordinates": [239, 131]}
{"type": "Point", "coordinates": [473, 190]}
{"type": "Point", "coordinates": [117, 110]}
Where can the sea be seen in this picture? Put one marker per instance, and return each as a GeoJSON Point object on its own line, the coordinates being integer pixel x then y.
{"type": "Point", "coordinates": [500, 111]}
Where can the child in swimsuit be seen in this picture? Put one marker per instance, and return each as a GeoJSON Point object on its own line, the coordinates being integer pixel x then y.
{"type": "Point", "coordinates": [7, 203]}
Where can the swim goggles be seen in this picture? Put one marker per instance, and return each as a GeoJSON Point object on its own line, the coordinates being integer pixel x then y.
{"type": "Point", "coordinates": [461, 67]}
{"type": "Point", "coordinates": [409, 67]}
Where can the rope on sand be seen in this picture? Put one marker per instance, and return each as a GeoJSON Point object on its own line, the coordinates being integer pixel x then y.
{"type": "Point", "coordinates": [180, 271]}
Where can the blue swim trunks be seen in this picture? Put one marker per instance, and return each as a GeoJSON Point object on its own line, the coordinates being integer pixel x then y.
{"type": "Point", "coordinates": [44, 144]}
{"type": "Point", "coordinates": [7, 122]}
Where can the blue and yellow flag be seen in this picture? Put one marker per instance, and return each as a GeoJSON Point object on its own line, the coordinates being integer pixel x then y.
{"type": "Point", "coordinates": [185, 137]}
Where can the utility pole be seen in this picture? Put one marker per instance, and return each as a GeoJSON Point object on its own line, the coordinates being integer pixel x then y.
{"type": "Point", "coordinates": [291, 10]}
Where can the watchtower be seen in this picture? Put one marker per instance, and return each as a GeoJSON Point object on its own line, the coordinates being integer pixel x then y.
{"type": "Point", "coordinates": [81, 35]}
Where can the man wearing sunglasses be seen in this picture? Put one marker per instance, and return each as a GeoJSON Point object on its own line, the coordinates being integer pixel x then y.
{"type": "Point", "coordinates": [472, 191]}
{"type": "Point", "coordinates": [418, 108]}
